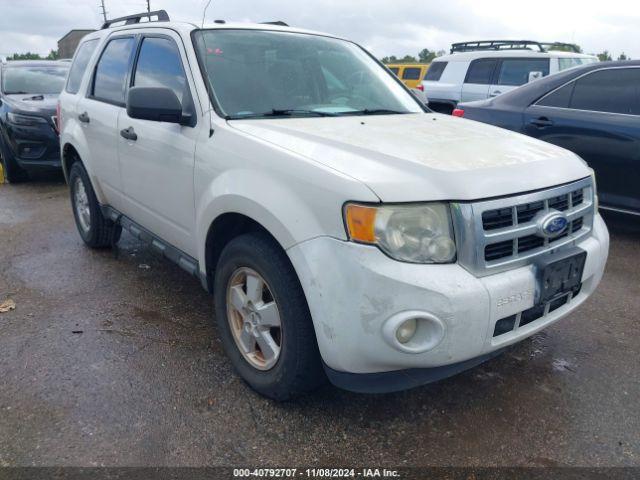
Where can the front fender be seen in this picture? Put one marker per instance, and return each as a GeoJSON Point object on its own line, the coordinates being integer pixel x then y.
{"type": "Point", "coordinates": [74, 136]}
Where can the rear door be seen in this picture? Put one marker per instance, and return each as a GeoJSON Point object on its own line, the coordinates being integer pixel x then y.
{"type": "Point", "coordinates": [412, 76]}
{"type": "Point", "coordinates": [157, 167]}
{"type": "Point", "coordinates": [514, 72]}
{"type": "Point", "coordinates": [597, 116]}
{"type": "Point", "coordinates": [478, 79]}
{"type": "Point", "coordinates": [98, 114]}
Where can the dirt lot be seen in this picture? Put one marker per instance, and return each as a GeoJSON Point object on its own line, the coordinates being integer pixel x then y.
{"type": "Point", "coordinates": [111, 361]}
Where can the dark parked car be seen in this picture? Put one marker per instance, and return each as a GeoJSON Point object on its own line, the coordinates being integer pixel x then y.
{"type": "Point", "coordinates": [28, 98]}
{"type": "Point", "coordinates": [593, 111]}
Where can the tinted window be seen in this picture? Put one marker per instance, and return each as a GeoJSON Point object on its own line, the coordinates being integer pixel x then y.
{"type": "Point", "coordinates": [159, 65]}
{"type": "Point", "coordinates": [516, 71]}
{"type": "Point", "coordinates": [27, 80]}
{"type": "Point", "coordinates": [612, 91]}
{"type": "Point", "coordinates": [111, 72]}
{"type": "Point", "coordinates": [481, 71]}
{"type": "Point", "coordinates": [412, 73]}
{"type": "Point", "coordinates": [435, 71]}
{"type": "Point", "coordinates": [560, 98]}
{"type": "Point", "coordinates": [79, 66]}
{"type": "Point", "coordinates": [565, 63]}
{"type": "Point", "coordinates": [395, 70]}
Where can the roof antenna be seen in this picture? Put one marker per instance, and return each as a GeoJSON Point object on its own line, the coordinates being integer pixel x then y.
{"type": "Point", "coordinates": [204, 13]}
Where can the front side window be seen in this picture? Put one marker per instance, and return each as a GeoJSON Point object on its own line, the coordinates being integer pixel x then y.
{"type": "Point", "coordinates": [435, 71]}
{"type": "Point", "coordinates": [411, 73]}
{"type": "Point", "coordinates": [395, 70]}
{"type": "Point", "coordinates": [481, 71]}
{"type": "Point", "coordinates": [614, 90]}
{"type": "Point", "coordinates": [516, 71]}
{"type": "Point", "coordinates": [261, 74]}
{"type": "Point", "coordinates": [159, 65]}
{"type": "Point", "coordinates": [111, 73]}
{"type": "Point", "coordinates": [36, 80]}
{"type": "Point", "coordinates": [561, 98]}
{"type": "Point", "coordinates": [79, 66]}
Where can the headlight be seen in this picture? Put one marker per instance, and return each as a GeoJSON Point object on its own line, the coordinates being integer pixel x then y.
{"type": "Point", "coordinates": [24, 120]}
{"type": "Point", "coordinates": [420, 233]}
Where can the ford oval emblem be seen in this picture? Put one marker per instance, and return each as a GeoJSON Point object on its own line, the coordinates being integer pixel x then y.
{"type": "Point", "coordinates": [553, 224]}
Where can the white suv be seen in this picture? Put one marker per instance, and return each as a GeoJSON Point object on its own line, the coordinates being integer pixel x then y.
{"type": "Point", "coordinates": [344, 231]}
{"type": "Point", "coordinates": [480, 70]}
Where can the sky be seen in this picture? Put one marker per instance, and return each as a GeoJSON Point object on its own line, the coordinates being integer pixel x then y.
{"type": "Point", "coordinates": [385, 27]}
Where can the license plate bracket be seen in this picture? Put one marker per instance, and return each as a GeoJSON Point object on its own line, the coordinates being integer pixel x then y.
{"type": "Point", "coordinates": [560, 274]}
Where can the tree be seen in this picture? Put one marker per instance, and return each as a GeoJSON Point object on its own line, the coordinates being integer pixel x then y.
{"type": "Point", "coordinates": [426, 56]}
{"type": "Point", "coordinates": [623, 56]}
{"type": "Point", "coordinates": [25, 56]}
{"type": "Point", "coordinates": [409, 59]}
{"type": "Point", "coordinates": [605, 56]}
{"type": "Point", "coordinates": [53, 55]}
{"type": "Point", "coordinates": [569, 47]}
{"type": "Point", "coordinates": [391, 59]}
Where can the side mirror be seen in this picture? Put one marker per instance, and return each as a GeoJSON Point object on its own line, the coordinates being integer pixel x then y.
{"type": "Point", "coordinates": [156, 104]}
{"type": "Point", "coordinates": [535, 76]}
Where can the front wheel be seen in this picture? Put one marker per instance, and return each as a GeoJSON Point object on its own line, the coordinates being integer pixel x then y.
{"type": "Point", "coordinates": [95, 230]}
{"type": "Point", "coordinates": [264, 319]}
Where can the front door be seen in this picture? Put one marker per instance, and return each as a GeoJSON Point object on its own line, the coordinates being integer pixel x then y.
{"type": "Point", "coordinates": [157, 166]}
{"type": "Point", "coordinates": [478, 79]}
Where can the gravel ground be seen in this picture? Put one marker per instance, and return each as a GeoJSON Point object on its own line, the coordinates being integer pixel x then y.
{"type": "Point", "coordinates": [112, 361]}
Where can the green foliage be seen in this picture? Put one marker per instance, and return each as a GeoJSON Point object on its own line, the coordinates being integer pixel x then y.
{"type": "Point", "coordinates": [623, 56]}
{"type": "Point", "coordinates": [25, 56]}
{"type": "Point", "coordinates": [53, 55]}
{"type": "Point", "coordinates": [605, 56]}
{"type": "Point", "coordinates": [425, 56]}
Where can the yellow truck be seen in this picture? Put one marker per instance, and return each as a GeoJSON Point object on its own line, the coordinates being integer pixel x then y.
{"type": "Point", "coordinates": [410, 73]}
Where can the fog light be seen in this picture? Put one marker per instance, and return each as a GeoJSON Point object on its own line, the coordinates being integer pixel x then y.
{"type": "Point", "coordinates": [406, 331]}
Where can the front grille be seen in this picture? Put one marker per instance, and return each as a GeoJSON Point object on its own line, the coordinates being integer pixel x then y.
{"type": "Point", "coordinates": [533, 314]}
{"type": "Point", "coordinates": [496, 235]}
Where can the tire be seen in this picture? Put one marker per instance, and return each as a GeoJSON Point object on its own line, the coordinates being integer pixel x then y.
{"type": "Point", "coordinates": [12, 172]}
{"type": "Point", "coordinates": [298, 368]}
{"type": "Point", "coordinates": [96, 231]}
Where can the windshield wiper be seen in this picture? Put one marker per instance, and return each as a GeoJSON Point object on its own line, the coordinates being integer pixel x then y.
{"type": "Point", "coordinates": [288, 112]}
{"type": "Point", "coordinates": [376, 111]}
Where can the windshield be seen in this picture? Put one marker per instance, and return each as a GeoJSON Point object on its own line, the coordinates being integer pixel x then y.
{"type": "Point", "coordinates": [34, 80]}
{"type": "Point", "coordinates": [262, 74]}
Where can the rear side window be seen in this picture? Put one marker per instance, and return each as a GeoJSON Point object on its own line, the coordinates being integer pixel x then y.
{"type": "Point", "coordinates": [611, 91]}
{"type": "Point", "coordinates": [395, 70]}
{"type": "Point", "coordinates": [560, 98]}
{"type": "Point", "coordinates": [515, 71]}
{"type": "Point", "coordinates": [111, 73]}
{"type": "Point", "coordinates": [411, 73]}
{"type": "Point", "coordinates": [435, 71]}
{"type": "Point", "coordinates": [159, 65]}
{"type": "Point", "coordinates": [79, 65]}
{"type": "Point", "coordinates": [481, 71]}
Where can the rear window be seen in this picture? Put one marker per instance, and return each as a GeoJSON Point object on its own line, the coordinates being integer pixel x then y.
{"type": "Point", "coordinates": [481, 71]}
{"type": "Point", "coordinates": [79, 66]}
{"type": "Point", "coordinates": [411, 73]}
{"type": "Point", "coordinates": [435, 71]}
{"type": "Point", "coordinates": [566, 63]}
{"type": "Point", "coordinates": [515, 71]}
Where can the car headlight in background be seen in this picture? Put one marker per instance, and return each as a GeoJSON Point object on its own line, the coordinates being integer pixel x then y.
{"type": "Point", "coordinates": [24, 120]}
{"type": "Point", "coordinates": [417, 233]}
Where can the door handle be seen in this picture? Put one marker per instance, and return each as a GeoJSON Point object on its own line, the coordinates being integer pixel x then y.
{"type": "Point", "coordinates": [496, 93]}
{"type": "Point", "coordinates": [541, 122]}
{"type": "Point", "coordinates": [129, 134]}
{"type": "Point", "coordinates": [84, 117]}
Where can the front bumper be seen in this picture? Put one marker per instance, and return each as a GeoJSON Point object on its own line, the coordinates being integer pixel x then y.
{"type": "Point", "coordinates": [355, 292]}
{"type": "Point", "coordinates": [33, 147]}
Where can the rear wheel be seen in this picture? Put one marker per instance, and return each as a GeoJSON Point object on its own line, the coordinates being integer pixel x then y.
{"type": "Point", "coordinates": [96, 231]}
{"type": "Point", "coordinates": [12, 171]}
{"type": "Point", "coordinates": [264, 320]}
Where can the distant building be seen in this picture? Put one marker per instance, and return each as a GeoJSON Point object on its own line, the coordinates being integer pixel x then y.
{"type": "Point", "coordinates": [67, 45]}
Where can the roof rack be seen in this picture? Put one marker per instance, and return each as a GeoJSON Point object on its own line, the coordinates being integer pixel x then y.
{"type": "Point", "coordinates": [161, 15]}
{"type": "Point", "coordinates": [510, 45]}
{"type": "Point", "coordinates": [278, 23]}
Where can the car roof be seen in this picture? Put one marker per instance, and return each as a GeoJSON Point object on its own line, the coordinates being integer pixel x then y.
{"type": "Point", "coordinates": [186, 28]}
{"type": "Point", "coordinates": [468, 56]}
{"type": "Point", "coordinates": [538, 88]}
{"type": "Point", "coordinates": [34, 63]}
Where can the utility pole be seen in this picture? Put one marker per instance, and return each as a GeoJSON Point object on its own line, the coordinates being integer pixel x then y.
{"type": "Point", "coordinates": [104, 11]}
{"type": "Point", "coordinates": [149, 6]}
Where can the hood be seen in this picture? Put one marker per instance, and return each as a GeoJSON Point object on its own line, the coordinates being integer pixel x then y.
{"type": "Point", "coordinates": [34, 104]}
{"type": "Point", "coordinates": [421, 157]}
